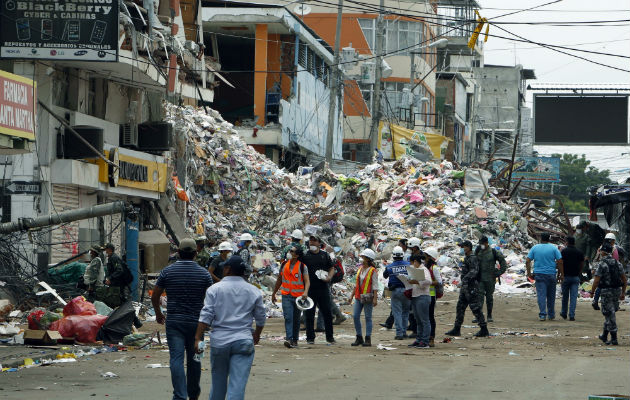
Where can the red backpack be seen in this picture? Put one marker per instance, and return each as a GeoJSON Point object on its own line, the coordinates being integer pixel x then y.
{"type": "Point", "coordinates": [339, 272]}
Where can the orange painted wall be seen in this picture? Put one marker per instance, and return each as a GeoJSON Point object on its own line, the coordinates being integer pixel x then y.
{"type": "Point", "coordinates": [353, 102]}
{"type": "Point", "coordinates": [325, 26]}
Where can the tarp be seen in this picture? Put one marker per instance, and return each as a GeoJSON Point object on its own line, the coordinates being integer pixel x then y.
{"type": "Point", "coordinates": [69, 273]}
{"type": "Point", "coordinates": [396, 141]}
{"type": "Point", "coordinates": [118, 324]}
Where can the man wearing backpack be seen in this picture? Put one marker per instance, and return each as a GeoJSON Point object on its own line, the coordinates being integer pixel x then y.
{"type": "Point", "coordinates": [612, 280]}
{"type": "Point", "coordinates": [488, 258]}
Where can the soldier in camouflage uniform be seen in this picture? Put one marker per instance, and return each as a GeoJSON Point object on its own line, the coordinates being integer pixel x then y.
{"type": "Point", "coordinates": [612, 280]}
{"type": "Point", "coordinates": [203, 256]}
{"type": "Point", "coordinates": [469, 293]}
{"type": "Point", "coordinates": [488, 258]}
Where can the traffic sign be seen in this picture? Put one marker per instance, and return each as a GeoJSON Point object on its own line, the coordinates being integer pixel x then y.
{"type": "Point", "coordinates": [24, 188]}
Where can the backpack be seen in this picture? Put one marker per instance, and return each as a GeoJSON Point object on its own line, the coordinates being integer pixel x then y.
{"type": "Point", "coordinates": [597, 234]}
{"type": "Point", "coordinates": [339, 272]}
{"type": "Point", "coordinates": [615, 275]}
{"type": "Point", "coordinates": [127, 276]}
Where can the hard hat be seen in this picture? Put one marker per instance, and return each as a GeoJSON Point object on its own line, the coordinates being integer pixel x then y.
{"type": "Point", "coordinates": [297, 234]}
{"type": "Point", "coordinates": [200, 238]}
{"type": "Point", "coordinates": [610, 236]}
{"type": "Point", "coordinates": [246, 237]}
{"type": "Point", "coordinates": [432, 252]}
{"type": "Point", "coordinates": [414, 242]}
{"type": "Point", "coordinates": [225, 246]}
{"type": "Point", "coordinates": [398, 252]}
{"type": "Point", "coordinates": [369, 253]}
{"type": "Point", "coordinates": [304, 304]}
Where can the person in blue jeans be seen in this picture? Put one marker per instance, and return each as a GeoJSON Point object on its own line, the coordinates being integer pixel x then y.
{"type": "Point", "coordinates": [229, 309]}
{"type": "Point", "coordinates": [364, 296]}
{"type": "Point", "coordinates": [547, 271]}
{"type": "Point", "coordinates": [186, 283]}
{"type": "Point", "coordinates": [421, 300]}
{"type": "Point", "coordinates": [572, 265]}
{"type": "Point", "coordinates": [400, 302]}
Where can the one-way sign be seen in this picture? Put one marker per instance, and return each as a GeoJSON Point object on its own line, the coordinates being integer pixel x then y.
{"type": "Point", "coordinates": [24, 188]}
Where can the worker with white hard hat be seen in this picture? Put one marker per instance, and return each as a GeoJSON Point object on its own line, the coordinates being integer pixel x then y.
{"type": "Point", "coordinates": [296, 241]}
{"type": "Point", "coordinates": [400, 303]}
{"type": "Point", "coordinates": [245, 253]}
{"type": "Point", "coordinates": [364, 295]}
{"type": "Point", "coordinates": [617, 253]}
{"type": "Point", "coordinates": [215, 268]}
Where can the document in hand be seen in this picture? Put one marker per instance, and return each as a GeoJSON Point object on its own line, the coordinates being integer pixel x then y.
{"type": "Point", "coordinates": [416, 273]}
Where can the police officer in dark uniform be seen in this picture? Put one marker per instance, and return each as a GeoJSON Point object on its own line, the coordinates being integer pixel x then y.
{"type": "Point", "coordinates": [469, 292]}
{"type": "Point", "coordinates": [610, 277]}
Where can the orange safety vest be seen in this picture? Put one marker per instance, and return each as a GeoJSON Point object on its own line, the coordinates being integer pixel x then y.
{"type": "Point", "coordinates": [292, 280]}
{"type": "Point", "coordinates": [367, 283]}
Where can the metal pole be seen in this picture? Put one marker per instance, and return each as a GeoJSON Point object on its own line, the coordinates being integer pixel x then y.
{"type": "Point", "coordinates": [507, 188]}
{"type": "Point", "coordinates": [62, 217]}
{"type": "Point", "coordinates": [412, 78]}
{"type": "Point", "coordinates": [334, 89]}
{"type": "Point", "coordinates": [376, 109]}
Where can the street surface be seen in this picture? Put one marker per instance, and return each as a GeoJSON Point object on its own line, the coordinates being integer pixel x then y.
{"type": "Point", "coordinates": [556, 360]}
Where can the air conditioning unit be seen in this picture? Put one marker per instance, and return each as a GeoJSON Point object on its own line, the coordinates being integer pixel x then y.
{"type": "Point", "coordinates": [69, 147]}
{"type": "Point", "coordinates": [129, 135]}
{"type": "Point", "coordinates": [110, 129]}
{"type": "Point", "coordinates": [155, 136]}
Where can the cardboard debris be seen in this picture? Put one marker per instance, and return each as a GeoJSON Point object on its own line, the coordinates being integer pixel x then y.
{"type": "Point", "coordinates": [38, 337]}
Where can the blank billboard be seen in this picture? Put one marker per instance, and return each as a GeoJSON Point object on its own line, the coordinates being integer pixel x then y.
{"type": "Point", "coordinates": [566, 119]}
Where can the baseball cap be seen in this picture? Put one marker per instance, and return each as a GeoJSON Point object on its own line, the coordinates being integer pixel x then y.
{"type": "Point", "coordinates": [607, 247]}
{"type": "Point", "coordinates": [236, 264]}
{"type": "Point", "coordinates": [483, 239]}
{"type": "Point", "coordinates": [187, 245]}
{"type": "Point", "coordinates": [465, 243]}
{"type": "Point", "coordinates": [315, 237]}
{"type": "Point", "coordinates": [110, 246]}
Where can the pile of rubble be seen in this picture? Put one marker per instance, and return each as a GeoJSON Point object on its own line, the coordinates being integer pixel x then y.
{"type": "Point", "coordinates": [231, 188]}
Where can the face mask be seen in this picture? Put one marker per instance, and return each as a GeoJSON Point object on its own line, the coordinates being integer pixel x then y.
{"type": "Point", "coordinates": [483, 247]}
{"type": "Point", "coordinates": [462, 252]}
{"type": "Point", "coordinates": [578, 231]}
{"type": "Point", "coordinates": [228, 255]}
{"type": "Point", "coordinates": [289, 256]}
{"type": "Point", "coordinates": [313, 248]}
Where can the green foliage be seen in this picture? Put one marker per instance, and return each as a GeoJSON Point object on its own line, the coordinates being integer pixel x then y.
{"type": "Point", "coordinates": [576, 175]}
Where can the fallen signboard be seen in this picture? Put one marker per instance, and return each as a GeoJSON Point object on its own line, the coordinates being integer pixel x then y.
{"type": "Point", "coordinates": [530, 169]}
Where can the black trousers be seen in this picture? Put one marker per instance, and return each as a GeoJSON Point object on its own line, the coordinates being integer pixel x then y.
{"type": "Point", "coordinates": [321, 300]}
{"type": "Point", "coordinates": [432, 316]}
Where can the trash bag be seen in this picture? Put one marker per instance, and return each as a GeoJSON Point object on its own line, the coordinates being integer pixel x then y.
{"type": "Point", "coordinates": [48, 318]}
{"type": "Point", "coordinates": [118, 324]}
{"type": "Point", "coordinates": [83, 328]}
{"type": "Point", "coordinates": [79, 306]}
{"type": "Point", "coordinates": [34, 318]}
{"type": "Point", "coordinates": [136, 339]}
{"type": "Point", "coordinates": [102, 308]}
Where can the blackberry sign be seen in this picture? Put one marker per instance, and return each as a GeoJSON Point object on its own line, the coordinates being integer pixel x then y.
{"type": "Point", "coordinates": [81, 30]}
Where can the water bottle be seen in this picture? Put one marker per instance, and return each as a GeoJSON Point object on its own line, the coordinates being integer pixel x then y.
{"type": "Point", "coordinates": [198, 356]}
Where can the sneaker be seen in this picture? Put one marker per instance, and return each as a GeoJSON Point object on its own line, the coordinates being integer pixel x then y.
{"type": "Point", "coordinates": [474, 321]}
{"type": "Point", "coordinates": [551, 318]}
{"type": "Point", "coordinates": [288, 344]}
{"type": "Point", "coordinates": [421, 345]}
{"type": "Point", "coordinates": [331, 341]}
{"type": "Point", "coordinates": [405, 336]}
{"type": "Point", "coordinates": [572, 319]}
{"type": "Point", "coordinates": [542, 318]}
{"type": "Point", "coordinates": [388, 327]}
{"type": "Point", "coordinates": [490, 319]}
{"type": "Point", "coordinates": [414, 344]}
{"type": "Point", "coordinates": [398, 338]}
{"type": "Point", "coordinates": [595, 306]}
{"type": "Point", "coordinates": [564, 316]}
{"type": "Point", "coordinates": [294, 343]}
{"type": "Point", "coordinates": [310, 342]}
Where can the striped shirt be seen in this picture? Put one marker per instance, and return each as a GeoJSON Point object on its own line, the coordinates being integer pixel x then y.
{"type": "Point", "coordinates": [185, 283]}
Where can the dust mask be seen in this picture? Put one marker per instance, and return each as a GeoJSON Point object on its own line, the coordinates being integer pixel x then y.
{"type": "Point", "coordinates": [483, 247]}
{"type": "Point", "coordinates": [289, 256]}
{"type": "Point", "coordinates": [462, 252]}
{"type": "Point", "coordinates": [578, 231]}
{"type": "Point", "coordinates": [313, 248]}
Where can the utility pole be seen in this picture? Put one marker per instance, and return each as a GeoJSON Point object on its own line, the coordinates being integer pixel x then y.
{"type": "Point", "coordinates": [376, 95]}
{"type": "Point", "coordinates": [412, 78]}
{"type": "Point", "coordinates": [334, 89]}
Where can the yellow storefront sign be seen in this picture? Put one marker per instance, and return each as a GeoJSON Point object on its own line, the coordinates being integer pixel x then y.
{"type": "Point", "coordinates": [132, 172]}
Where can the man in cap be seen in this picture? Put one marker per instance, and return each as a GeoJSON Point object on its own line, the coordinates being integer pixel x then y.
{"type": "Point", "coordinates": [203, 255]}
{"type": "Point", "coordinates": [229, 309]}
{"type": "Point", "coordinates": [186, 283]}
{"type": "Point", "coordinates": [215, 268]}
{"type": "Point", "coordinates": [546, 258]}
{"type": "Point", "coordinates": [316, 260]}
{"type": "Point", "coordinates": [469, 292]}
{"type": "Point", "coordinates": [296, 242]}
{"type": "Point", "coordinates": [94, 275]}
{"type": "Point", "coordinates": [612, 280]}
{"type": "Point", "coordinates": [488, 258]}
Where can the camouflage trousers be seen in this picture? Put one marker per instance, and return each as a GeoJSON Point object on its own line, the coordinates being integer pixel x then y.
{"type": "Point", "coordinates": [610, 304]}
{"type": "Point", "coordinates": [469, 296]}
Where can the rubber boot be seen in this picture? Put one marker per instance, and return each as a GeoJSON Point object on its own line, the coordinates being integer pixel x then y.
{"type": "Point", "coordinates": [613, 339]}
{"type": "Point", "coordinates": [455, 331]}
{"type": "Point", "coordinates": [432, 341]}
{"type": "Point", "coordinates": [604, 336]}
{"type": "Point", "coordinates": [359, 341]}
{"type": "Point", "coordinates": [483, 332]}
{"type": "Point", "coordinates": [368, 341]}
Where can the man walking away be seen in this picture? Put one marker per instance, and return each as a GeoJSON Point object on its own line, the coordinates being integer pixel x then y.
{"type": "Point", "coordinates": [293, 282]}
{"type": "Point", "coordinates": [572, 264]}
{"type": "Point", "coordinates": [229, 309]}
{"type": "Point", "coordinates": [469, 292]}
{"type": "Point", "coordinates": [400, 302]}
{"type": "Point", "coordinates": [317, 260]}
{"type": "Point", "coordinates": [546, 258]}
{"type": "Point", "coordinates": [612, 280]}
{"type": "Point", "coordinates": [185, 283]}
{"type": "Point", "coordinates": [488, 258]}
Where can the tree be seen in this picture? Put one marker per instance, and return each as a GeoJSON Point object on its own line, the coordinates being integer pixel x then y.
{"type": "Point", "coordinates": [576, 176]}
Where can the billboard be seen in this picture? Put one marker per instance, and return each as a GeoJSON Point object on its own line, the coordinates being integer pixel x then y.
{"type": "Point", "coordinates": [580, 119]}
{"type": "Point", "coordinates": [81, 30]}
{"type": "Point", "coordinates": [531, 169]}
{"type": "Point", "coordinates": [18, 97]}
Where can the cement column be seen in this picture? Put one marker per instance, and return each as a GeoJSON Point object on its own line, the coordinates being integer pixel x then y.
{"type": "Point", "coordinates": [260, 76]}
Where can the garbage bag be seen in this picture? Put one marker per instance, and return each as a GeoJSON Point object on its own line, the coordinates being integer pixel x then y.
{"type": "Point", "coordinates": [48, 318]}
{"type": "Point", "coordinates": [79, 306]}
{"type": "Point", "coordinates": [118, 324]}
{"type": "Point", "coordinates": [83, 328]}
{"type": "Point", "coordinates": [102, 308]}
{"type": "Point", "coordinates": [34, 317]}
{"type": "Point", "coordinates": [136, 339]}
